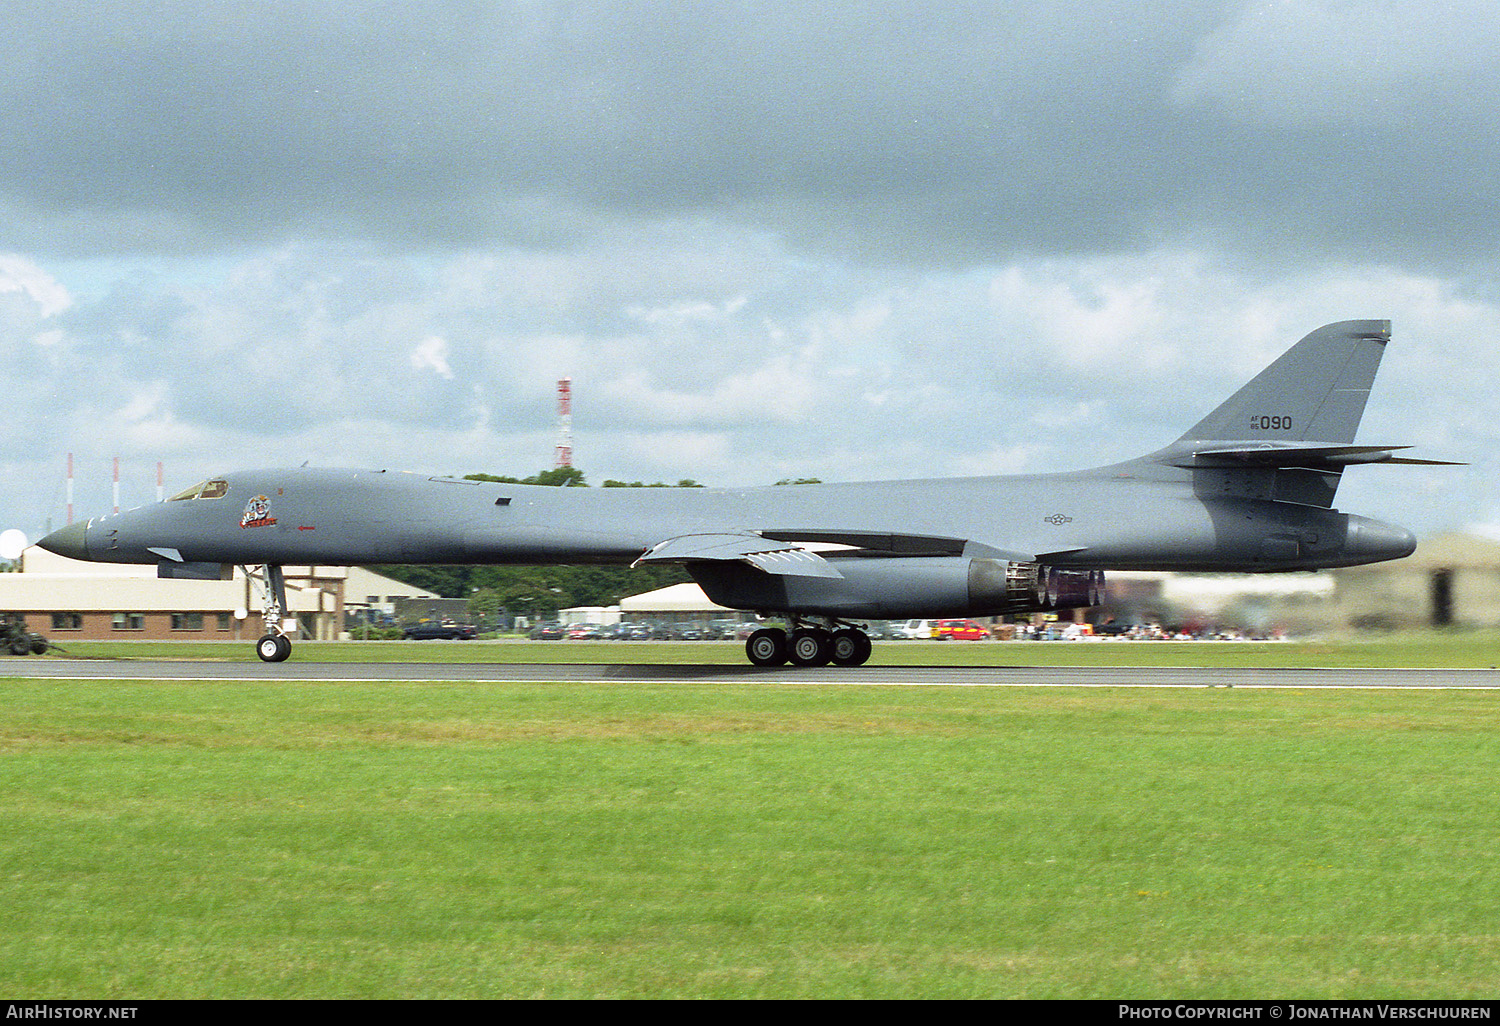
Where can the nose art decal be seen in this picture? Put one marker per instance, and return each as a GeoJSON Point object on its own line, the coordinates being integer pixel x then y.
{"type": "Point", "coordinates": [257, 513]}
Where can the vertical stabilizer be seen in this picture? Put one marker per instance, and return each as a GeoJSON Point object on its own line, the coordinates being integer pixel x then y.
{"type": "Point", "coordinates": [1316, 390]}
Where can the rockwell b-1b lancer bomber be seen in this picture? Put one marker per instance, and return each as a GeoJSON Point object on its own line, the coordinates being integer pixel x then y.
{"type": "Point", "coordinates": [1250, 487]}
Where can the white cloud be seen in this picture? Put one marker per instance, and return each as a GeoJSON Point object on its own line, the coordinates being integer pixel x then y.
{"type": "Point", "coordinates": [767, 390]}
{"type": "Point", "coordinates": [687, 312]}
{"type": "Point", "coordinates": [21, 275]}
{"type": "Point", "coordinates": [432, 354]}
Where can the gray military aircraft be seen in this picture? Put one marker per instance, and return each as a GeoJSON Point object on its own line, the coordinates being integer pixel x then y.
{"type": "Point", "coordinates": [1250, 487]}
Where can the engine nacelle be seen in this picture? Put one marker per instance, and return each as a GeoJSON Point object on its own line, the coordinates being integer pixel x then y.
{"type": "Point", "coordinates": [902, 587]}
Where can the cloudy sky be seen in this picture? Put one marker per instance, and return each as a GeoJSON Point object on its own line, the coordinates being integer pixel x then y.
{"type": "Point", "coordinates": [838, 240]}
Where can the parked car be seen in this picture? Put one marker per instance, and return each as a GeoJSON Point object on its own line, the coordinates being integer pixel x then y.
{"type": "Point", "coordinates": [960, 630]}
{"type": "Point", "coordinates": [447, 630]}
{"type": "Point", "coordinates": [909, 629]}
{"type": "Point", "coordinates": [584, 632]}
{"type": "Point", "coordinates": [548, 632]}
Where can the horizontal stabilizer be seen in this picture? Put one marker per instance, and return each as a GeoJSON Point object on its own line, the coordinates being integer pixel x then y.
{"type": "Point", "coordinates": [784, 558]}
{"type": "Point", "coordinates": [1318, 454]}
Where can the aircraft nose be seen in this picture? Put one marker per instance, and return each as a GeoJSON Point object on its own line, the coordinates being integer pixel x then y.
{"type": "Point", "coordinates": [70, 541]}
{"type": "Point", "coordinates": [1373, 540]}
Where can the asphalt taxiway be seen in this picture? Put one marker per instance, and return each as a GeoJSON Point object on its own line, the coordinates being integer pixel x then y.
{"type": "Point", "coordinates": [583, 673]}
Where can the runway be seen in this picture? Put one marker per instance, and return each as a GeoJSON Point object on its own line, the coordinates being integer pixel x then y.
{"type": "Point", "coordinates": [907, 676]}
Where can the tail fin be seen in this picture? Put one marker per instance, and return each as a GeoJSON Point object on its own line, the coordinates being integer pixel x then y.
{"type": "Point", "coordinates": [1315, 391]}
{"type": "Point", "coordinates": [1287, 435]}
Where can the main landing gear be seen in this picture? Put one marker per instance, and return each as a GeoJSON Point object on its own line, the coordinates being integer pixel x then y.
{"type": "Point", "coordinates": [275, 646]}
{"type": "Point", "coordinates": [809, 645]}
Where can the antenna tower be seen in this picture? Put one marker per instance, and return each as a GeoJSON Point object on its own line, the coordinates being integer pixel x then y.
{"type": "Point", "coordinates": [565, 422]}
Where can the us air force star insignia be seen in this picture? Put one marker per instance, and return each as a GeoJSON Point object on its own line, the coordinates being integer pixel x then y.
{"type": "Point", "coordinates": [1057, 519]}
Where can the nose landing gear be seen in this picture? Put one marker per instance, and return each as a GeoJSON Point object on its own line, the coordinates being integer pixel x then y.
{"type": "Point", "coordinates": [274, 646]}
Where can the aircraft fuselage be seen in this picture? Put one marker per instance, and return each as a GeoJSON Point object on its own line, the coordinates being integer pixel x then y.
{"type": "Point", "coordinates": [1132, 516]}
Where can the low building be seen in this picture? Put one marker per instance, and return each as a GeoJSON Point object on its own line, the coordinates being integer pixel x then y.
{"type": "Point", "coordinates": [676, 602]}
{"type": "Point", "coordinates": [376, 598]}
{"type": "Point", "coordinates": [65, 598]}
{"type": "Point", "coordinates": [594, 616]}
{"type": "Point", "coordinates": [1452, 580]}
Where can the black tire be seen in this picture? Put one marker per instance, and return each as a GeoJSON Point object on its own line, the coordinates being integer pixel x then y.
{"type": "Point", "coordinates": [811, 646]}
{"type": "Point", "coordinates": [767, 647]}
{"type": "Point", "coordinates": [273, 648]}
{"type": "Point", "coordinates": [851, 647]}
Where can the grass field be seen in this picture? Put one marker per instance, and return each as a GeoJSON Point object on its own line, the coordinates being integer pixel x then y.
{"type": "Point", "coordinates": [767, 840]}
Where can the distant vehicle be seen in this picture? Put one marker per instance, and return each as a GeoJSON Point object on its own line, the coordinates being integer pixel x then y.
{"type": "Point", "coordinates": [548, 632]}
{"type": "Point", "coordinates": [446, 630]}
{"type": "Point", "coordinates": [960, 630]}
{"type": "Point", "coordinates": [912, 629]}
{"type": "Point", "coordinates": [19, 641]}
{"type": "Point", "coordinates": [584, 632]}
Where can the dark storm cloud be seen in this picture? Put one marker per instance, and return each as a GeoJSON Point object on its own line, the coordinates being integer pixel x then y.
{"type": "Point", "coordinates": [895, 130]}
{"type": "Point", "coordinates": [846, 240]}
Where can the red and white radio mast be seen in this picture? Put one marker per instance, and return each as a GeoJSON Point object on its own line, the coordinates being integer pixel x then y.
{"type": "Point", "coordinates": [565, 422]}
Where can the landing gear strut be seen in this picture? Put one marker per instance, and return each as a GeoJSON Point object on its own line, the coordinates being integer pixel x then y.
{"type": "Point", "coordinates": [809, 644]}
{"type": "Point", "coordinates": [275, 646]}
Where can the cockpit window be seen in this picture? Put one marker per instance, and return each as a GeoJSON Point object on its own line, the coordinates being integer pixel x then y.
{"type": "Point", "coordinates": [203, 490]}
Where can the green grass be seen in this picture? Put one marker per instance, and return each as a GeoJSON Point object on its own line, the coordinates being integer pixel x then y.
{"type": "Point", "coordinates": [1427, 649]}
{"type": "Point", "coordinates": [169, 840]}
